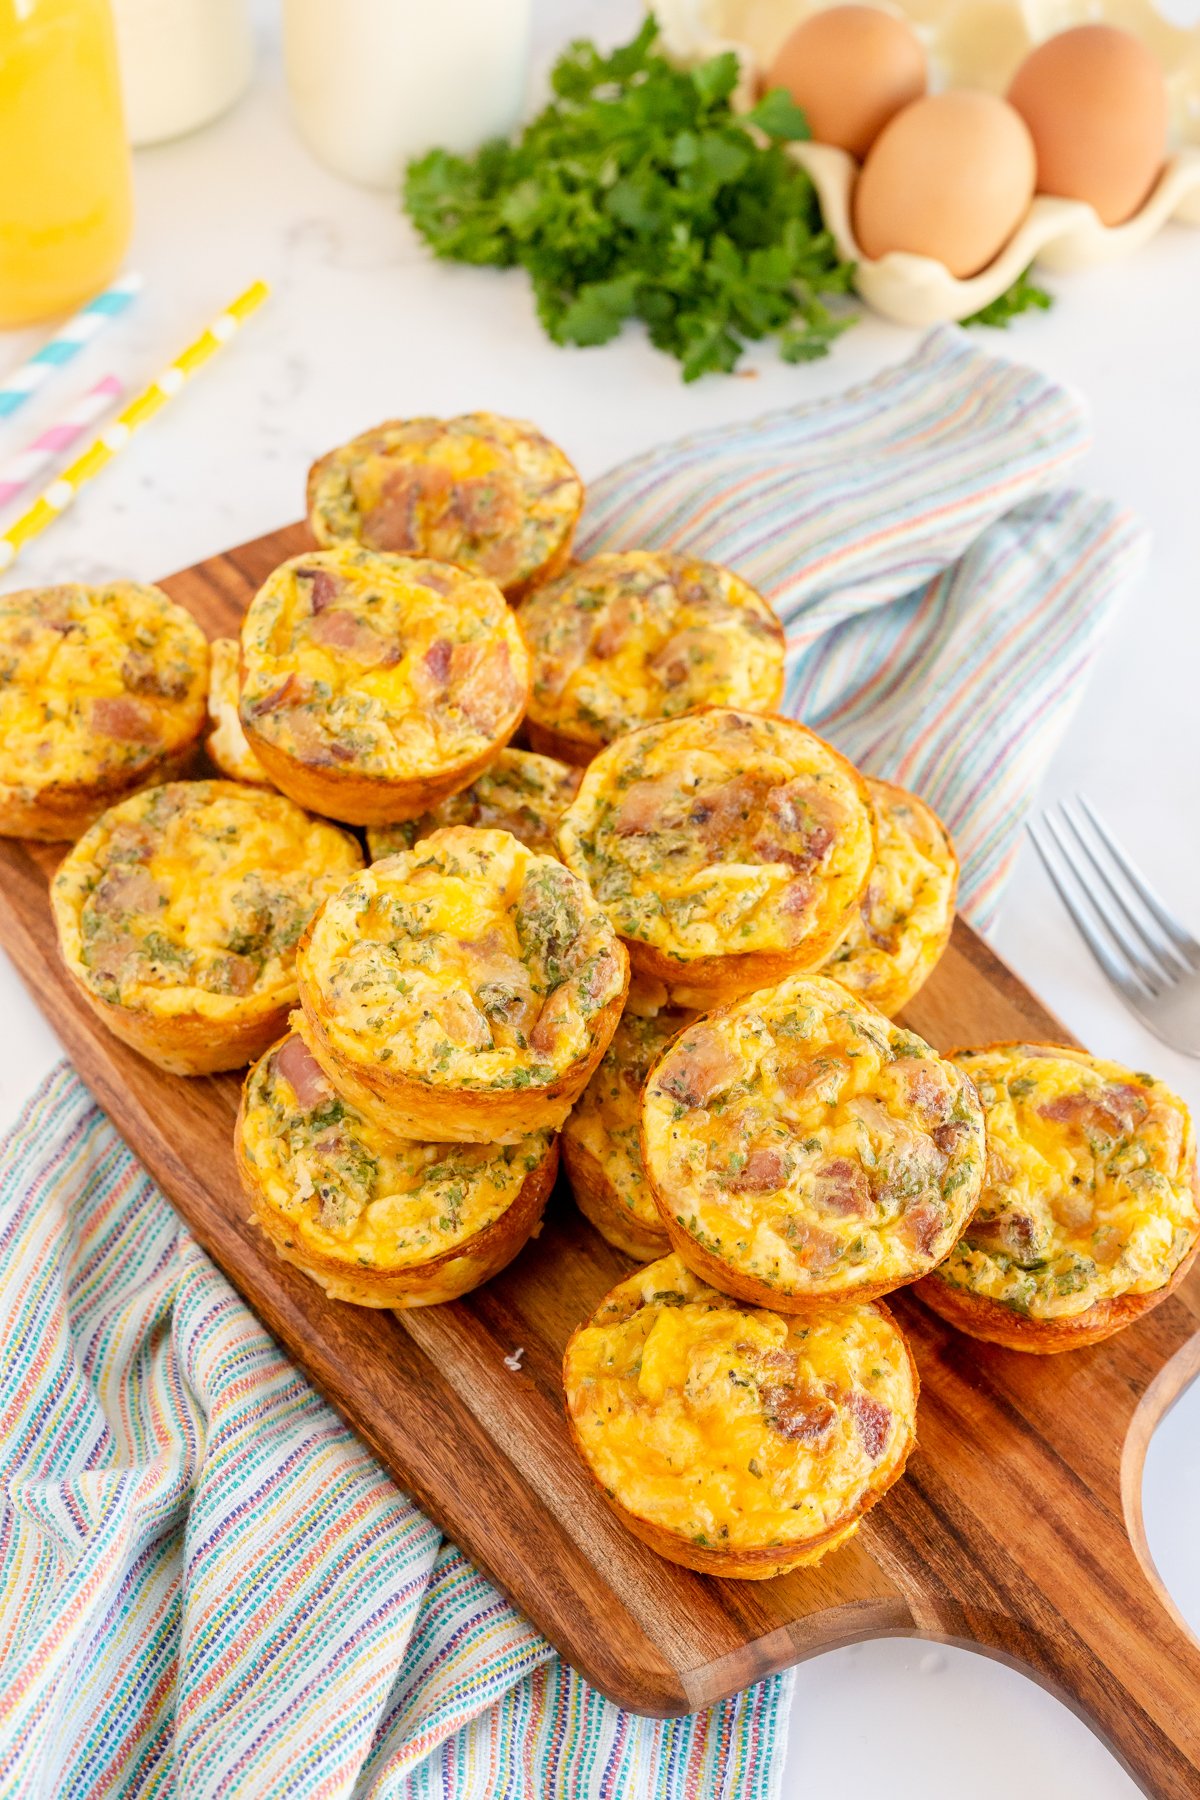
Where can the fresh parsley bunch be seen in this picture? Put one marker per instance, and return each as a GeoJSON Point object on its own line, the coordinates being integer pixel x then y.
{"type": "Point", "coordinates": [638, 193]}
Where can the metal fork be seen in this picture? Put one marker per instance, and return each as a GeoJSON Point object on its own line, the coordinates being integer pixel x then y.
{"type": "Point", "coordinates": [1149, 957]}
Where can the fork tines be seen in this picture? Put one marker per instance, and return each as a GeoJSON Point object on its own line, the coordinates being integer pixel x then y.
{"type": "Point", "coordinates": [1141, 947]}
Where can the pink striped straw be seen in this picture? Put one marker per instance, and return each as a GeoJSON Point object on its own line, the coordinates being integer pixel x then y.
{"type": "Point", "coordinates": [19, 470]}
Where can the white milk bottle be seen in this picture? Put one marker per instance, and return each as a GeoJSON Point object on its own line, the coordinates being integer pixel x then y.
{"type": "Point", "coordinates": [375, 82]}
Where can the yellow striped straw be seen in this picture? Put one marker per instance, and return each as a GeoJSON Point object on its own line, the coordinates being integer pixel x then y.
{"type": "Point", "coordinates": [100, 452]}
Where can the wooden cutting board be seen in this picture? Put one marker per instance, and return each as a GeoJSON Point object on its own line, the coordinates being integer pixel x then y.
{"type": "Point", "coordinates": [1016, 1530]}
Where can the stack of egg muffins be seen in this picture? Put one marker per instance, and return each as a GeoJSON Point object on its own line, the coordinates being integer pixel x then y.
{"type": "Point", "coordinates": [670, 936]}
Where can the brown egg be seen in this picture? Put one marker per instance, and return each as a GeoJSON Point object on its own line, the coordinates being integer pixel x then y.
{"type": "Point", "coordinates": [1096, 103]}
{"type": "Point", "coordinates": [950, 177]}
{"type": "Point", "coordinates": [851, 68]}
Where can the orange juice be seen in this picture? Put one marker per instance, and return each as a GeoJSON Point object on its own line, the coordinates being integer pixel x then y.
{"type": "Point", "coordinates": [65, 192]}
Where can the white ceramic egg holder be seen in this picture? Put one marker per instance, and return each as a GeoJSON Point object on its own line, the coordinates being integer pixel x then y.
{"type": "Point", "coordinates": [977, 43]}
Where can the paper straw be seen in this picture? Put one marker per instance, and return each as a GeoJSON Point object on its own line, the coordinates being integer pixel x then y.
{"type": "Point", "coordinates": [16, 388]}
{"type": "Point", "coordinates": [18, 471]}
{"type": "Point", "coordinates": [100, 452]}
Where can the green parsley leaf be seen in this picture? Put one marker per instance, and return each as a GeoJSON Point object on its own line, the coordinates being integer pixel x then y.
{"type": "Point", "coordinates": [1023, 296]}
{"type": "Point", "coordinates": [638, 193]}
{"type": "Point", "coordinates": [778, 115]}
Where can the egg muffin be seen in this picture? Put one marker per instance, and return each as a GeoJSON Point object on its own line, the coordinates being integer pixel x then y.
{"type": "Point", "coordinates": [601, 1139]}
{"type": "Point", "coordinates": [1089, 1214]}
{"type": "Point", "coordinates": [179, 912]}
{"type": "Point", "coordinates": [729, 1438]}
{"type": "Point", "coordinates": [490, 494]}
{"type": "Point", "coordinates": [639, 635]}
{"type": "Point", "coordinates": [905, 918]}
{"type": "Point", "coordinates": [802, 1149]}
{"type": "Point", "coordinates": [226, 742]}
{"type": "Point", "coordinates": [729, 849]}
{"type": "Point", "coordinates": [463, 990]}
{"type": "Point", "coordinates": [371, 1218]}
{"type": "Point", "coordinates": [375, 686]}
{"type": "Point", "coordinates": [101, 693]}
{"type": "Point", "coordinates": [519, 792]}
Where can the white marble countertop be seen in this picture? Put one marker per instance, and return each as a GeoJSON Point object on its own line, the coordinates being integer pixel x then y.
{"type": "Point", "coordinates": [362, 325]}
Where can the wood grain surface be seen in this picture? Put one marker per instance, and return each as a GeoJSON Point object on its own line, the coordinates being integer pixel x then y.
{"type": "Point", "coordinates": [1016, 1530]}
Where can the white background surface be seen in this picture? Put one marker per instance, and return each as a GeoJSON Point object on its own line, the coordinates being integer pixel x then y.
{"type": "Point", "coordinates": [363, 326]}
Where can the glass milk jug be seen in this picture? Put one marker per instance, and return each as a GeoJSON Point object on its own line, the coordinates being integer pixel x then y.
{"type": "Point", "coordinates": [374, 82]}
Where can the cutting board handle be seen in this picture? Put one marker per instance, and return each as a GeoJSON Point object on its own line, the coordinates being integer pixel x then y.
{"type": "Point", "coordinates": [1032, 1536]}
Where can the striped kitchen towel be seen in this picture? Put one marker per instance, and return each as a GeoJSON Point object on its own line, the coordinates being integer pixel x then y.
{"type": "Point", "coordinates": [942, 597]}
{"type": "Point", "coordinates": [207, 1587]}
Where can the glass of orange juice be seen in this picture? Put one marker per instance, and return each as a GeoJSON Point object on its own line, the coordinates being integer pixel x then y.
{"type": "Point", "coordinates": [65, 185]}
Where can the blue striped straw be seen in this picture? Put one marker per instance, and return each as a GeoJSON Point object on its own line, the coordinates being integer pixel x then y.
{"type": "Point", "coordinates": [16, 388]}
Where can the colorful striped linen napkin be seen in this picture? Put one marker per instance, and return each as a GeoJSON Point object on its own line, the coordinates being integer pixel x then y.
{"type": "Point", "coordinates": [208, 1588]}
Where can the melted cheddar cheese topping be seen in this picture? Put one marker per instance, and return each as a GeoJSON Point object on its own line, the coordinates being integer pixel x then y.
{"type": "Point", "coordinates": [519, 792]}
{"type": "Point", "coordinates": [904, 918]}
{"type": "Point", "coordinates": [227, 741]}
{"type": "Point", "coordinates": [96, 683]}
{"type": "Point", "coordinates": [729, 1426]}
{"type": "Point", "coordinates": [606, 1120]}
{"type": "Point", "coordinates": [490, 494]}
{"type": "Point", "coordinates": [803, 1140]}
{"type": "Point", "coordinates": [191, 897]}
{"type": "Point", "coordinates": [467, 961]}
{"type": "Point", "coordinates": [348, 1192]}
{"type": "Point", "coordinates": [1090, 1190]}
{"type": "Point", "coordinates": [639, 635]}
{"type": "Point", "coordinates": [386, 665]}
{"type": "Point", "coordinates": [722, 832]}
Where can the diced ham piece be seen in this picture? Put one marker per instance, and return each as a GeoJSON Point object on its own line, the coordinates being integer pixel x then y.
{"type": "Point", "coordinates": [126, 889]}
{"type": "Point", "coordinates": [482, 682]}
{"type": "Point", "coordinates": [887, 941]}
{"type": "Point", "coordinates": [555, 1014]}
{"type": "Point", "coordinates": [437, 660]}
{"type": "Point", "coordinates": [441, 580]}
{"type": "Point", "coordinates": [1014, 1233]}
{"type": "Point", "coordinates": [113, 957]}
{"type": "Point", "coordinates": [340, 630]}
{"type": "Point", "coordinates": [125, 720]}
{"type": "Point", "coordinates": [599, 977]}
{"type": "Point", "coordinates": [791, 832]}
{"type": "Point", "coordinates": [616, 626]}
{"type": "Point", "coordinates": [463, 1022]}
{"type": "Point", "coordinates": [303, 1073]}
{"type": "Point", "coordinates": [699, 1066]}
{"type": "Point", "coordinates": [131, 842]}
{"type": "Point", "coordinates": [483, 505]}
{"type": "Point", "coordinates": [718, 811]}
{"type": "Point", "coordinates": [949, 1137]}
{"type": "Point", "coordinates": [814, 1249]}
{"type": "Point", "coordinates": [871, 1421]}
{"type": "Point", "coordinates": [232, 974]}
{"type": "Point", "coordinates": [922, 1226]}
{"type": "Point", "coordinates": [286, 694]}
{"type": "Point", "coordinates": [925, 1091]}
{"type": "Point", "coordinates": [310, 744]}
{"type": "Point", "coordinates": [800, 1414]}
{"type": "Point", "coordinates": [796, 897]}
{"type": "Point", "coordinates": [1110, 1111]}
{"type": "Point", "coordinates": [648, 806]}
{"type": "Point", "coordinates": [696, 646]}
{"type": "Point", "coordinates": [324, 587]}
{"type": "Point", "coordinates": [140, 676]}
{"type": "Point", "coordinates": [394, 522]}
{"type": "Point", "coordinates": [764, 1172]}
{"type": "Point", "coordinates": [842, 1188]}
